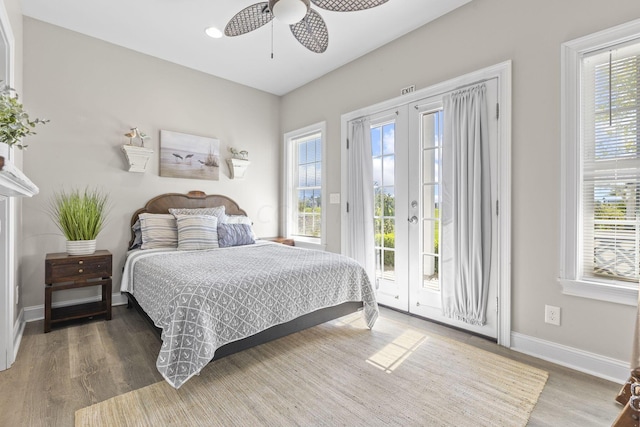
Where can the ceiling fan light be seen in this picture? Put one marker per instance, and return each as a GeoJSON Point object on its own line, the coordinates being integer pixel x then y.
{"type": "Point", "coordinates": [213, 32]}
{"type": "Point", "coordinates": [289, 11]}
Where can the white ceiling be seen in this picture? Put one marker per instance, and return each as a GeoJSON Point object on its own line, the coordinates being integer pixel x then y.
{"type": "Point", "coordinates": [173, 30]}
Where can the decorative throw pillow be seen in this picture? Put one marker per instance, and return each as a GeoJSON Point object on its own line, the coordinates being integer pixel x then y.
{"type": "Point", "coordinates": [197, 232]}
{"type": "Point", "coordinates": [158, 231]}
{"type": "Point", "coordinates": [234, 235]}
{"type": "Point", "coordinates": [217, 211]}
{"type": "Point", "coordinates": [137, 235]}
{"type": "Point", "coordinates": [238, 219]}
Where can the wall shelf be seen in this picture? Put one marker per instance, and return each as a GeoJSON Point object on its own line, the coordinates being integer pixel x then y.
{"type": "Point", "coordinates": [14, 183]}
{"type": "Point", "coordinates": [237, 167]}
{"type": "Point", "coordinates": [138, 157]}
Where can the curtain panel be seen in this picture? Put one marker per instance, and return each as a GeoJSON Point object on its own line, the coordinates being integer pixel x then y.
{"type": "Point", "coordinates": [360, 239]}
{"type": "Point", "coordinates": [466, 206]}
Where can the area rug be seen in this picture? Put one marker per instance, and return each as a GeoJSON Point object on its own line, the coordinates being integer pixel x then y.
{"type": "Point", "coordinates": [340, 373]}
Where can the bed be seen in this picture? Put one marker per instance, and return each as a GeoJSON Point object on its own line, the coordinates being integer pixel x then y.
{"type": "Point", "coordinates": [209, 302]}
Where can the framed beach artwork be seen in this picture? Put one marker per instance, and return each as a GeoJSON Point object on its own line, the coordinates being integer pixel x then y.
{"type": "Point", "coordinates": [189, 156]}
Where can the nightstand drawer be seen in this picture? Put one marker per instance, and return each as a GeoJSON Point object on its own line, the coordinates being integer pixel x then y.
{"type": "Point", "coordinates": [61, 268]}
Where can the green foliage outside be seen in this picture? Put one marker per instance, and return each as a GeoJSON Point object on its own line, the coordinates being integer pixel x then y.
{"type": "Point", "coordinates": [310, 217]}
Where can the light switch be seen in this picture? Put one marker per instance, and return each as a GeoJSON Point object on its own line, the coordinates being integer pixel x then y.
{"type": "Point", "coordinates": [334, 198]}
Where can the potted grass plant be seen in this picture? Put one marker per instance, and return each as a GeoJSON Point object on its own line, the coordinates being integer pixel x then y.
{"type": "Point", "coordinates": [80, 215]}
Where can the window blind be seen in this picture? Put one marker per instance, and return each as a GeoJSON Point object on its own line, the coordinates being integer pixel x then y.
{"type": "Point", "coordinates": [610, 164]}
{"type": "Point", "coordinates": [307, 191]}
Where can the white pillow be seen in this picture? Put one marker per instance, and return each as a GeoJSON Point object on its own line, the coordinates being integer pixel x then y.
{"type": "Point", "coordinates": [158, 231]}
{"type": "Point", "coordinates": [217, 211]}
{"type": "Point", "coordinates": [239, 219]}
{"type": "Point", "coordinates": [197, 232]}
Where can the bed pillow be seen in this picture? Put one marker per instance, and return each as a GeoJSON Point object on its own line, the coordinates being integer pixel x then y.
{"type": "Point", "coordinates": [197, 232]}
{"type": "Point", "coordinates": [217, 211]}
{"type": "Point", "coordinates": [235, 235]}
{"type": "Point", "coordinates": [158, 231]}
{"type": "Point", "coordinates": [238, 219]}
{"type": "Point", "coordinates": [137, 235]}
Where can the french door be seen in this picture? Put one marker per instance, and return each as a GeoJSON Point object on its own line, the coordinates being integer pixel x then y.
{"type": "Point", "coordinates": [406, 148]}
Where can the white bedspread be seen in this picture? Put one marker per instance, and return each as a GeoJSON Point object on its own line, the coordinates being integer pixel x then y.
{"type": "Point", "coordinates": [205, 299]}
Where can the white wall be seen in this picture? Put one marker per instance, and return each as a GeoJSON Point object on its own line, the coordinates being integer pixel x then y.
{"type": "Point", "coordinates": [93, 92]}
{"type": "Point", "coordinates": [480, 34]}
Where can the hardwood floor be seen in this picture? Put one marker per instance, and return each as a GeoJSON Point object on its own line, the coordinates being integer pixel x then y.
{"type": "Point", "coordinates": [86, 362]}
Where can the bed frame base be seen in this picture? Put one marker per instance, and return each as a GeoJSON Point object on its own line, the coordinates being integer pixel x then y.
{"type": "Point", "coordinates": [273, 333]}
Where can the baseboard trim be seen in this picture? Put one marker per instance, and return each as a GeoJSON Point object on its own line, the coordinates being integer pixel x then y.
{"type": "Point", "coordinates": [573, 358]}
{"type": "Point", "coordinates": [36, 312]}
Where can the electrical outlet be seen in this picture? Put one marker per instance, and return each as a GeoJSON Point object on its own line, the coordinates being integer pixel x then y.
{"type": "Point", "coordinates": [552, 315]}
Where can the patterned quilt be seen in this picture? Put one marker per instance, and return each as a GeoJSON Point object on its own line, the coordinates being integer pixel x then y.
{"type": "Point", "coordinates": [205, 299]}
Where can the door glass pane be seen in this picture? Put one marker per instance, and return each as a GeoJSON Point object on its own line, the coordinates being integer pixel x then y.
{"type": "Point", "coordinates": [430, 206]}
{"type": "Point", "coordinates": [430, 276]}
{"type": "Point", "coordinates": [383, 158]}
{"type": "Point", "coordinates": [376, 141]}
{"type": "Point", "coordinates": [388, 169]}
{"type": "Point", "coordinates": [377, 171]}
{"type": "Point", "coordinates": [388, 138]}
{"type": "Point", "coordinates": [431, 165]}
{"type": "Point", "coordinates": [430, 237]}
{"type": "Point", "coordinates": [378, 262]}
{"type": "Point", "coordinates": [388, 201]}
{"type": "Point", "coordinates": [432, 129]}
{"type": "Point", "coordinates": [389, 264]}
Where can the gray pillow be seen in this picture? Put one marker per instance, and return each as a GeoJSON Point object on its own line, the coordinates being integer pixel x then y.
{"type": "Point", "coordinates": [234, 235]}
{"type": "Point", "coordinates": [137, 235]}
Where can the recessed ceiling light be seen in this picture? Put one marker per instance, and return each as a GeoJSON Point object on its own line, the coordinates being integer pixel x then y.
{"type": "Point", "coordinates": [213, 32]}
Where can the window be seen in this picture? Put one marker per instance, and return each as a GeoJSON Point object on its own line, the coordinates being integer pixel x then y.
{"type": "Point", "coordinates": [601, 166]}
{"type": "Point", "coordinates": [304, 220]}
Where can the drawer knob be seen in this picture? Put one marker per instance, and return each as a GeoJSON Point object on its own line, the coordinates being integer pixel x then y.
{"type": "Point", "coordinates": [80, 262]}
{"type": "Point", "coordinates": [80, 271]}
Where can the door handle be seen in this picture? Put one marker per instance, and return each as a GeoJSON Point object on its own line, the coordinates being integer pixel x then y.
{"type": "Point", "coordinates": [413, 220]}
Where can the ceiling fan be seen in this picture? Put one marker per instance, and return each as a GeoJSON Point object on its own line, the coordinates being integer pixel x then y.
{"type": "Point", "coordinates": [306, 24]}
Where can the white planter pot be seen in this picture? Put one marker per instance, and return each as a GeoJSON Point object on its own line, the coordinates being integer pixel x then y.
{"type": "Point", "coordinates": [81, 247]}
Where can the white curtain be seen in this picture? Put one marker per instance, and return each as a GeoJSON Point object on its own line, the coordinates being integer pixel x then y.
{"type": "Point", "coordinates": [466, 206]}
{"type": "Point", "coordinates": [360, 243]}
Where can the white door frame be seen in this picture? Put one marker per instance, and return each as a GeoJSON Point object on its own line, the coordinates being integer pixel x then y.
{"type": "Point", "coordinates": [503, 72]}
{"type": "Point", "coordinates": [7, 220]}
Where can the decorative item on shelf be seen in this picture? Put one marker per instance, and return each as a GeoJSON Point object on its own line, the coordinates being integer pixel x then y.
{"type": "Point", "coordinates": [80, 215]}
{"type": "Point", "coordinates": [137, 155]}
{"type": "Point", "coordinates": [239, 163]}
{"type": "Point", "coordinates": [15, 123]}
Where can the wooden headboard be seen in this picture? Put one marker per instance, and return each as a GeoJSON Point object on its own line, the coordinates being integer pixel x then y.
{"type": "Point", "coordinates": [192, 200]}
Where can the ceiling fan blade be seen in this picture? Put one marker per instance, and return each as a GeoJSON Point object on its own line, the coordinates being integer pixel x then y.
{"type": "Point", "coordinates": [312, 32]}
{"type": "Point", "coordinates": [347, 5]}
{"type": "Point", "coordinates": [249, 19]}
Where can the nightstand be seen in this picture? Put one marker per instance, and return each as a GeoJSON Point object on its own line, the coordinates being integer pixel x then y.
{"type": "Point", "coordinates": [284, 241]}
{"type": "Point", "coordinates": [64, 271]}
